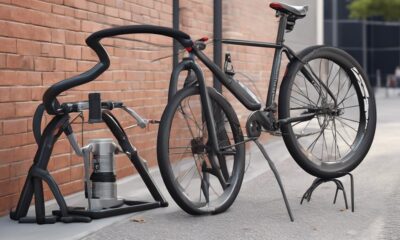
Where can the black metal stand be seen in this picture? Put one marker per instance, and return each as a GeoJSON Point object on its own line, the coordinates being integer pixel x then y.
{"type": "Point", "coordinates": [339, 186]}
{"type": "Point", "coordinates": [38, 173]}
{"type": "Point", "coordinates": [278, 178]}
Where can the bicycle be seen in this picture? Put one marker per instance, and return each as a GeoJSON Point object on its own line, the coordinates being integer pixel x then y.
{"type": "Point", "coordinates": [326, 116]}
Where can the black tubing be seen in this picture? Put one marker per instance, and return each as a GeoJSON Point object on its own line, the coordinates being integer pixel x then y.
{"type": "Point", "coordinates": [93, 41]}
{"type": "Point", "coordinates": [233, 86]}
{"type": "Point", "coordinates": [37, 122]}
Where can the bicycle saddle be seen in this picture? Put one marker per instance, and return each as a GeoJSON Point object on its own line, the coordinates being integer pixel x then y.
{"type": "Point", "coordinates": [297, 11]}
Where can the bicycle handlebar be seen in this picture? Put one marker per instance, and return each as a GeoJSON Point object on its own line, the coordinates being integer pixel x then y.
{"type": "Point", "coordinates": [50, 101]}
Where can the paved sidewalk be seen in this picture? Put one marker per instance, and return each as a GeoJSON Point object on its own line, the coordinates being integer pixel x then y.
{"type": "Point", "coordinates": [259, 211]}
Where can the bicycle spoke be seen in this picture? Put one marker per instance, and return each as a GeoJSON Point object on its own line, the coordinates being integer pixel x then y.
{"type": "Point", "coordinates": [351, 120]}
{"type": "Point", "coordinates": [301, 93]}
{"type": "Point", "coordinates": [314, 142]}
{"type": "Point", "coordinates": [350, 107]}
{"type": "Point", "coordinates": [299, 100]}
{"type": "Point", "coordinates": [340, 135]}
{"type": "Point", "coordinates": [355, 130]}
{"type": "Point", "coordinates": [336, 145]}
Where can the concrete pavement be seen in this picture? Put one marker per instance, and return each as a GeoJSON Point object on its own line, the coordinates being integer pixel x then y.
{"type": "Point", "coordinates": [259, 211]}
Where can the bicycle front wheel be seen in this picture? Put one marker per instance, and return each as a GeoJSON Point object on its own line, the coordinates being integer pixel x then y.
{"type": "Point", "coordinates": [330, 87]}
{"type": "Point", "coordinates": [200, 180]}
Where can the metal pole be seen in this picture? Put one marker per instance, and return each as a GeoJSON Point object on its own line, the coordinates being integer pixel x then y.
{"type": "Point", "coordinates": [217, 40]}
{"type": "Point", "coordinates": [334, 23]}
{"type": "Point", "coordinates": [364, 44]}
{"type": "Point", "coordinates": [175, 25]}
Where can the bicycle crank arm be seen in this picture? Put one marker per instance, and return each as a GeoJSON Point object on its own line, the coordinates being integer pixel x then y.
{"type": "Point", "coordinates": [304, 117]}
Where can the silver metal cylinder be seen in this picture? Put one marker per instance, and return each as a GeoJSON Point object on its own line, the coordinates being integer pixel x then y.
{"type": "Point", "coordinates": [103, 179]}
{"type": "Point", "coordinates": [103, 154]}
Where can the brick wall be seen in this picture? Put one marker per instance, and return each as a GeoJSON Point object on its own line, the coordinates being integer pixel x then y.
{"type": "Point", "coordinates": [42, 42]}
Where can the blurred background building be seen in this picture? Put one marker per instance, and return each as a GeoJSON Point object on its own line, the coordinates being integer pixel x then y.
{"type": "Point", "coordinates": [375, 43]}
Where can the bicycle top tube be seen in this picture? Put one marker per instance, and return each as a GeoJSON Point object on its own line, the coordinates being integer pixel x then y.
{"type": "Point", "coordinates": [50, 102]}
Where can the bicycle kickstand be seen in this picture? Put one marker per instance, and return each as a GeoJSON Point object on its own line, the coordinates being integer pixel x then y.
{"type": "Point", "coordinates": [277, 176]}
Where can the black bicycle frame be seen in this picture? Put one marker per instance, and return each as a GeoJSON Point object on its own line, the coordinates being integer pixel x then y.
{"type": "Point", "coordinates": [237, 90]}
{"type": "Point", "coordinates": [276, 64]}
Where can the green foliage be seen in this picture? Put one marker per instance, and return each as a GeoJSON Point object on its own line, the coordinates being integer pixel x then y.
{"type": "Point", "coordinates": [389, 9]}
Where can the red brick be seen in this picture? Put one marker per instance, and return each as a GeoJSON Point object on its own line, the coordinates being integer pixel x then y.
{"type": "Point", "coordinates": [24, 31]}
{"type": "Point", "coordinates": [14, 94]}
{"type": "Point", "coordinates": [37, 93]}
{"type": "Point", "coordinates": [76, 38]}
{"type": "Point", "coordinates": [15, 126]}
{"type": "Point", "coordinates": [15, 140]}
{"type": "Point", "coordinates": [4, 171]}
{"type": "Point", "coordinates": [44, 64]}
{"type": "Point", "coordinates": [111, 11]}
{"type": "Point", "coordinates": [12, 78]}
{"type": "Point", "coordinates": [61, 161]}
{"type": "Point", "coordinates": [66, 65]}
{"type": "Point", "coordinates": [8, 187]}
{"type": "Point", "coordinates": [62, 176]}
{"type": "Point", "coordinates": [20, 168]}
{"type": "Point", "coordinates": [8, 45]}
{"type": "Point", "coordinates": [19, 62]}
{"type": "Point", "coordinates": [25, 109]}
{"type": "Point", "coordinates": [40, 5]}
{"type": "Point", "coordinates": [27, 47]}
{"type": "Point", "coordinates": [58, 36]}
{"type": "Point", "coordinates": [73, 52]}
{"type": "Point", "coordinates": [63, 10]}
{"type": "Point", "coordinates": [5, 94]}
{"type": "Point", "coordinates": [71, 187]}
{"type": "Point", "coordinates": [2, 60]}
{"type": "Point", "coordinates": [77, 172]}
{"type": "Point", "coordinates": [53, 50]}
{"type": "Point", "coordinates": [7, 110]}
{"type": "Point", "coordinates": [52, 77]}
{"type": "Point", "coordinates": [80, 14]}
{"type": "Point", "coordinates": [76, 4]}
{"type": "Point", "coordinates": [5, 203]}
{"type": "Point", "coordinates": [88, 54]}
{"type": "Point", "coordinates": [67, 23]}
{"type": "Point", "coordinates": [91, 26]}
{"type": "Point", "coordinates": [23, 153]}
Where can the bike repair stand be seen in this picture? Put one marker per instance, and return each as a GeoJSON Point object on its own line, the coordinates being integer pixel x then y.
{"type": "Point", "coordinates": [339, 186]}
{"type": "Point", "coordinates": [39, 174]}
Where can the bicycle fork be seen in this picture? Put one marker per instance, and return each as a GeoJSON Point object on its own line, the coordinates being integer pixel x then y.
{"type": "Point", "coordinates": [211, 125]}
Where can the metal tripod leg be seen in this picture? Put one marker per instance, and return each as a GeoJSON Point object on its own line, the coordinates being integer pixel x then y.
{"type": "Point", "coordinates": [278, 178]}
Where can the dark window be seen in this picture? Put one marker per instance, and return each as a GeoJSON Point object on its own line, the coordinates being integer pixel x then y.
{"type": "Point", "coordinates": [328, 9]}
{"type": "Point", "coordinates": [383, 36]}
{"type": "Point", "coordinates": [350, 35]}
{"type": "Point", "coordinates": [328, 33]}
{"type": "Point", "coordinates": [343, 11]}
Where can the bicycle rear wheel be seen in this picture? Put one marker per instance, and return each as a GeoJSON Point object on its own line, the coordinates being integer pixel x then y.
{"type": "Point", "coordinates": [198, 179]}
{"type": "Point", "coordinates": [338, 136]}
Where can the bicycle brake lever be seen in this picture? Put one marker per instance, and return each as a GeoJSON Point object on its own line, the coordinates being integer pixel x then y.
{"type": "Point", "coordinates": [142, 123]}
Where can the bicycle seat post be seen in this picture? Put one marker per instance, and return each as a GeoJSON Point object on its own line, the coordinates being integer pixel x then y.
{"type": "Point", "coordinates": [283, 18]}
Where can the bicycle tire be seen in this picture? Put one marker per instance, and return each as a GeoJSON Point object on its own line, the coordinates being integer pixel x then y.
{"type": "Point", "coordinates": [363, 94]}
{"type": "Point", "coordinates": [167, 162]}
